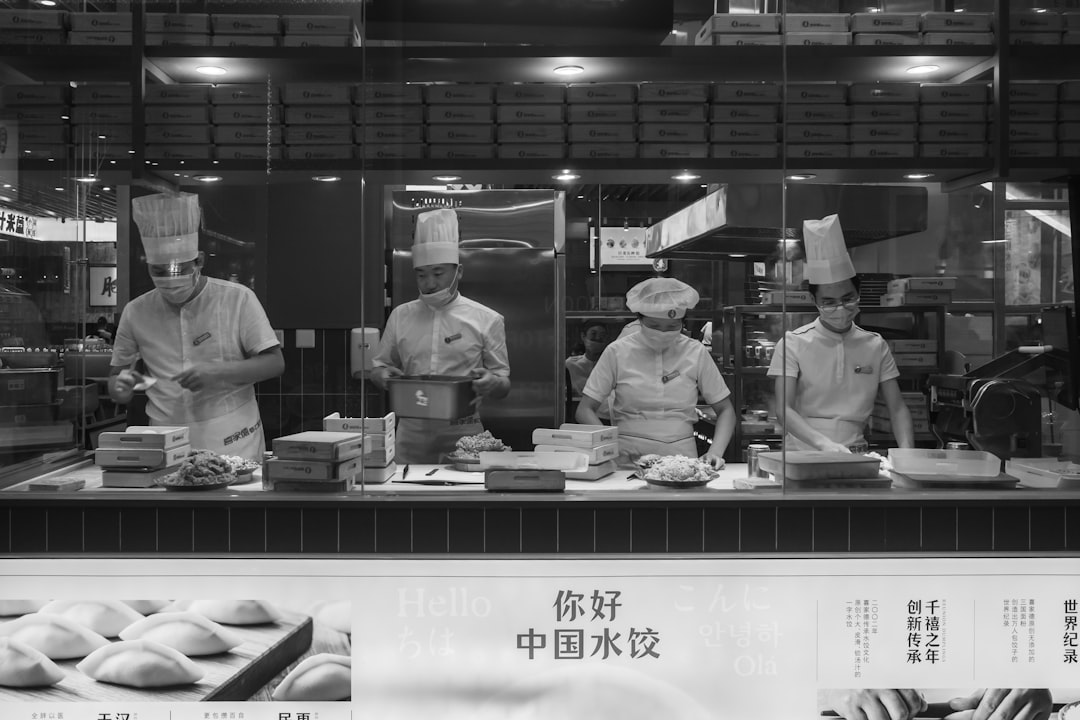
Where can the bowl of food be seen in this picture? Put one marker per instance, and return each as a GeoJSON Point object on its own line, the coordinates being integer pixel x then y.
{"type": "Point", "coordinates": [675, 471]}
{"type": "Point", "coordinates": [200, 470]}
{"type": "Point", "coordinates": [243, 468]}
{"type": "Point", "coordinates": [466, 455]}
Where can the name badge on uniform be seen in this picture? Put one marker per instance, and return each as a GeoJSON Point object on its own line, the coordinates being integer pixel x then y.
{"type": "Point", "coordinates": [863, 370]}
{"type": "Point", "coordinates": [206, 336]}
{"type": "Point", "coordinates": [669, 377]}
{"type": "Point", "coordinates": [452, 338]}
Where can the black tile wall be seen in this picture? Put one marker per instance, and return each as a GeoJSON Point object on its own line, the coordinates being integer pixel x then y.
{"type": "Point", "coordinates": [101, 530]}
{"type": "Point", "coordinates": [176, 530]}
{"type": "Point", "coordinates": [902, 529]}
{"type": "Point", "coordinates": [686, 530]}
{"type": "Point", "coordinates": [721, 530]}
{"type": "Point", "coordinates": [939, 528]}
{"type": "Point", "coordinates": [539, 530]}
{"type": "Point", "coordinates": [649, 530]}
{"type": "Point", "coordinates": [393, 530]}
{"type": "Point", "coordinates": [138, 530]}
{"type": "Point", "coordinates": [1011, 528]}
{"type": "Point", "coordinates": [466, 530]}
{"type": "Point", "coordinates": [975, 529]}
{"type": "Point", "coordinates": [319, 533]}
{"type": "Point", "coordinates": [5, 530]}
{"type": "Point", "coordinates": [211, 528]}
{"type": "Point", "coordinates": [867, 529]}
{"type": "Point", "coordinates": [502, 530]}
{"type": "Point", "coordinates": [431, 530]}
{"type": "Point", "coordinates": [247, 530]}
{"type": "Point", "coordinates": [356, 530]}
{"type": "Point", "coordinates": [65, 530]}
{"type": "Point", "coordinates": [284, 530]}
{"type": "Point", "coordinates": [830, 529]}
{"type": "Point", "coordinates": [29, 530]}
{"type": "Point", "coordinates": [795, 529]}
{"type": "Point", "coordinates": [1047, 528]}
{"type": "Point", "coordinates": [1072, 528]}
{"type": "Point", "coordinates": [757, 529]}
{"type": "Point", "coordinates": [613, 530]}
{"type": "Point", "coordinates": [577, 530]}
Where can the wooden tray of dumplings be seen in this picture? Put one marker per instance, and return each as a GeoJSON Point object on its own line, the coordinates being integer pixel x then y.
{"type": "Point", "coordinates": [267, 650]}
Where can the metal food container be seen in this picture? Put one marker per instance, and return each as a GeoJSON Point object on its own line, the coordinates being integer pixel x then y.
{"type": "Point", "coordinates": [433, 397]}
{"type": "Point", "coordinates": [28, 387]}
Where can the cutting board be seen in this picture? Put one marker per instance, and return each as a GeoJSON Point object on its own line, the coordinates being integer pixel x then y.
{"type": "Point", "coordinates": [267, 650]}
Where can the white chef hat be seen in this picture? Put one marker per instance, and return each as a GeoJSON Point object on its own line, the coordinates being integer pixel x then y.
{"type": "Point", "coordinates": [661, 298]}
{"type": "Point", "coordinates": [827, 259]}
{"type": "Point", "coordinates": [169, 225]}
{"type": "Point", "coordinates": [436, 239]}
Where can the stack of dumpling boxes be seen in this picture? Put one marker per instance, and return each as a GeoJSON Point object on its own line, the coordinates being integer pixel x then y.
{"type": "Point", "coordinates": [319, 31]}
{"type": "Point", "coordinates": [883, 119]}
{"type": "Point", "coordinates": [245, 30]}
{"type": "Point", "coordinates": [1069, 116]}
{"type": "Point", "coordinates": [378, 461]}
{"type": "Point", "coordinates": [673, 120]}
{"type": "Point", "coordinates": [531, 121]}
{"type": "Point", "coordinates": [315, 461]}
{"type": "Point", "coordinates": [817, 29]}
{"type": "Point", "coordinates": [100, 28]}
{"type": "Point", "coordinates": [101, 120]}
{"type": "Point", "coordinates": [186, 29]}
{"type": "Point", "coordinates": [935, 290]}
{"type": "Point", "coordinates": [40, 112]}
{"type": "Point", "coordinates": [818, 121]}
{"type": "Point", "coordinates": [387, 114]}
{"type": "Point", "coordinates": [951, 28]}
{"type": "Point", "coordinates": [745, 120]}
{"type": "Point", "coordinates": [1032, 126]}
{"type": "Point", "coordinates": [599, 443]}
{"type": "Point", "coordinates": [177, 122]}
{"type": "Point", "coordinates": [602, 120]}
{"type": "Point", "coordinates": [140, 455]}
{"type": "Point", "coordinates": [32, 27]}
{"type": "Point", "coordinates": [462, 115]}
{"type": "Point", "coordinates": [318, 121]}
{"type": "Point", "coordinates": [916, 405]}
{"type": "Point", "coordinates": [247, 121]}
{"type": "Point", "coordinates": [953, 120]}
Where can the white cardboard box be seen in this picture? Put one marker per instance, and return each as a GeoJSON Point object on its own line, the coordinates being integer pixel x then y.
{"type": "Point", "coordinates": [884, 113]}
{"type": "Point", "coordinates": [603, 132]}
{"type": "Point", "coordinates": [885, 22]}
{"type": "Point", "coordinates": [744, 113]}
{"type": "Point", "coordinates": [887, 39]}
{"type": "Point", "coordinates": [744, 152]}
{"type": "Point", "coordinates": [818, 38]}
{"type": "Point", "coordinates": [883, 92]}
{"type": "Point", "coordinates": [688, 150]}
{"type": "Point", "coordinates": [819, 151]}
{"type": "Point", "coordinates": [530, 94]}
{"type": "Point", "coordinates": [601, 93]}
{"type": "Point", "coordinates": [458, 114]}
{"type": "Point", "coordinates": [516, 114]}
{"type": "Point", "coordinates": [318, 134]}
{"type": "Point", "coordinates": [551, 133]}
{"type": "Point", "coordinates": [388, 94]}
{"type": "Point", "coordinates": [245, 24]}
{"type": "Point", "coordinates": [665, 92]}
{"type": "Point", "coordinates": [603, 150]}
{"type": "Point", "coordinates": [817, 93]}
{"type": "Point", "coordinates": [605, 113]}
{"type": "Point", "coordinates": [319, 115]}
{"type": "Point", "coordinates": [319, 152]}
{"type": "Point", "coordinates": [957, 38]}
{"type": "Point", "coordinates": [930, 284]}
{"type": "Point", "coordinates": [245, 114]}
{"type": "Point", "coordinates": [317, 94]}
{"type": "Point", "coordinates": [745, 92]}
{"type": "Point", "coordinates": [672, 132]}
{"type": "Point", "coordinates": [744, 133]}
{"type": "Point", "coordinates": [816, 22]}
{"type": "Point", "coordinates": [954, 150]}
{"type": "Point", "coordinates": [388, 134]}
{"type": "Point", "coordinates": [461, 134]}
{"type": "Point", "coordinates": [953, 112]}
{"type": "Point", "coordinates": [883, 133]}
{"type": "Point", "coordinates": [954, 22]}
{"type": "Point", "coordinates": [460, 94]}
{"type": "Point", "coordinates": [952, 132]}
{"type": "Point", "coordinates": [954, 93]}
{"type": "Point", "coordinates": [389, 114]}
{"type": "Point", "coordinates": [532, 151]}
{"type": "Point", "coordinates": [245, 94]}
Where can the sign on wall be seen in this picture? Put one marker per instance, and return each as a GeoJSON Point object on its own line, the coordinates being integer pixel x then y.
{"type": "Point", "coordinates": [102, 286]}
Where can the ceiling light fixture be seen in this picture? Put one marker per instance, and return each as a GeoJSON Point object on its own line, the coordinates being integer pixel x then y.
{"type": "Point", "coordinates": [86, 179]}
{"type": "Point", "coordinates": [685, 176]}
{"type": "Point", "coordinates": [446, 178]}
{"type": "Point", "coordinates": [325, 178]}
{"type": "Point", "coordinates": [737, 255]}
{"type": "Point", "coordinates": [208, 178]}
{"type": "Point", "coordinates": [918, 176]}
{"type": "Point", "coordinates": [569, 70]}
{"type": "Point", "coordinates": [47, 3]}
{"type": "Point", "coordinates": [922, 69]}
{"type": "Point", "coordinates": [994, 242]}
{"type": "Point", "coordinates": [211, 70]}
{"type": "Point", "coordinates": [802, 176]}
{"type": "Point", "coordinates": [565, 176]}
{"type": "Point", "coordinates": [58, 189]}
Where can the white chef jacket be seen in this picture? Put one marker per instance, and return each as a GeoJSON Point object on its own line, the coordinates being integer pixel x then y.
{"type": "Point", "coordinates": [643, 402]}
{"type": "Point", "coordinates": [838, 377]}
{"type": "Point", "coordinates": [224, 322]}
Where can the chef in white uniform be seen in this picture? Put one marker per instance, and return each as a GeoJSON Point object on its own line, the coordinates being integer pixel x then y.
{"type": "Point", "coordinates": [203, 342]}
{"type": "Point", "coordinates": [441, 333]}
{"type": "Point", "coordinates": [829, 372]}
{"type": "Point", "coordinates": [657, 376]}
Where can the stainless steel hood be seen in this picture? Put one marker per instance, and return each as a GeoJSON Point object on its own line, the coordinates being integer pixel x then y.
{"type": "Point", "coordinates": [746, 219]}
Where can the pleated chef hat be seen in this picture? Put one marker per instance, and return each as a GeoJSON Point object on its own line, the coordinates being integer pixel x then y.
{"type": "Point", "coordinates": [436, 239]}
{"type": "Point", "coordinates": [661, 298]}
{"type": "Point", "coordinates": [827, 259]}
{"type": "Point", "coordinates": [169, 225]}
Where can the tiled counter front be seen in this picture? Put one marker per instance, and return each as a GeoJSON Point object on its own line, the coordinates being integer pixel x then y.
{"type": "Point", "coordinates": [441, 522]}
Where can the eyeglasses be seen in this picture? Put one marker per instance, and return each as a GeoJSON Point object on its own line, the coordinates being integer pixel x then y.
{"type": "Point", "coordinates": [848, 301]}
{"type": "Point", "coordinates": [172, 269]}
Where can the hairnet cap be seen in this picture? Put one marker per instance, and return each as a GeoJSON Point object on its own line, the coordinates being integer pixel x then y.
{"type": "Point", "coordinates": [827, 259]}
{"type": "Point", "coordinates": [169, 226]}
{"type": "Point", "coordinates": [436, 239]}
{"type": "Point", "coordinates": [661, 298]}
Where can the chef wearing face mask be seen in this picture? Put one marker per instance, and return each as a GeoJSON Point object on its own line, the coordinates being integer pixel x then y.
{"type": "Point", "coordinates": [657, 376]}
{"type": "Point", "coordinates": [204, 342]}
{"type": "Point", "coordinates": [829, 372]}
{"type": "Point", "coordinates": [441, 333]}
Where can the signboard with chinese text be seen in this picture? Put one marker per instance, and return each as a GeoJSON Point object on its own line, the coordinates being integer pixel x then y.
{"type": "Point", "coordinates": [18, 224]}
{"type": "Point", "coordinates": [102, 285]}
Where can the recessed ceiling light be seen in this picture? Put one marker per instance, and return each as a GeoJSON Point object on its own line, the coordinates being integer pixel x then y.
{"type": "Point", "coordinates": [86, 179]}
{"type": "Point", "coordinates": [47, 3]}
{"type": "Point", "coordinates": [210, 70]}
{"type": "Point", "coordinates": [446, 178]}
{"type": "Point", "coordinates": [685, 176]}
{"type": "Point", "coordinates": [918, 176]}
{"type": "Point", "coordinates": [993, 242]}
{"type": "Point", "coordinates": [58, 189]}
{"type": "Point", "coordinates": [65, 117]}
{"type": "Point", "coordinates": [565, 176]}
{"type": "Point", "coordinates": [106, 189]}
{"type": "Point", "coordinates": [922, 69]}
{"type": "Point", "coordinates": [1039, 9]}
{"type": "Point", "coordinates": [737, 255]}
{"type": "Point", "coordinates": [802, 176]}
{"type": "Point", "coordinates": [208, 178]}
{"type": "Point", "coordinates": [7, 185]}
{"type": "Point", "coordinates": [325, 178]}
{"type": "Point", "coordinates": [569, 70]}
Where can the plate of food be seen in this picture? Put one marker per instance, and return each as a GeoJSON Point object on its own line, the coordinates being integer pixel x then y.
{"type": "Point", "coordinates": [200, 470]}
{"type": "Point", "coordinates": [674, 471]}
{"type": "Point", "coordinates": [243, 468]}
{"type": "Point", "coordinates": [466, 455]}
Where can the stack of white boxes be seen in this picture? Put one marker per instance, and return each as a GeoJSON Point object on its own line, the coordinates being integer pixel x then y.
{"type": "Point", "coordinates": [953, 120]}
{"type": "Point", "coordinates": [600, 443]}
{"type": "Point", "coordinates": [885, 28]}
{"type": "Point", "coordinates": [883, 119]}
{"type": "Point", "coordinates": [378, 459]}
{"type": "Point", "coordinates": [460, 113]}
{"type": "Point", "coordinates": [320, 31]}
{"type": "Point", "coordinates": [673, 120]}
{"type": "Point", "coordinates": [740, 30]}
{"type": "Point", "coordinates": [745, 120]}
{"type": "Point", "coordinates": [385, 111]}
{"type": "Point", "coordinates": [315, 461]}
{"type": "Point", "coordinates": [100, 28]}
{"type": "Point", "coordinates": [817, 29]}
{"type": "Point", "coordinates": [952, 28]}
{"type": "Point", "coordinates": [247, 121]}
{"type": "Point", "coordinates": [1032, 113]}
{"type": "Point", "coordinates": [603, 120]}
{"type": "Point", "coordinates": [1069, 117]}
{"type": "Point", "coordinates": [177, 140]}
{"type": "Point", "coordinates": [101, 120]}
{"type": "Point", "coordinates": [245, 30]}
{"type": "Point", "coordinates": [137, 457]}
{"type": "Point", "coordinates": [33, 27]}
{"type": "Point", "coordinates": [916, 405]}
{"type": "Point", "coordinates": [1036, 28]}
{"type": "Point", "coordinates": [185, 29]}
{"type": "Point", "coordinates": [40, 111]}
{"type": "Point", "coordinates": [818, 122]}
{"type": "Point", "coordinates": [532, 121]}
{"type": "Point", "coordinates": [936, 290]}
{"type": "Point", "coordinates": [318, 121]}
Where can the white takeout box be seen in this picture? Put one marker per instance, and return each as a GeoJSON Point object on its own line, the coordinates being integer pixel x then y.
{"type": "Point", "coordinates": [564, 461]}
{"type": "Point", "coordinates": [159, 437]}
{"type": "Point", "coordinates": [587, 436]}
{"type": "Point", "coordinates": [596, 455]}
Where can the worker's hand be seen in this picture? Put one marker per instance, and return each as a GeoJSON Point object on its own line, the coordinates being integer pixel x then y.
{"type": "Point", "coordinates": [1003, 704]}
{"type": "Point", "coordinates": [484, 381]}
{"type": "Point", "coordinates": [380, 375]}
{"type": "Point", "coordinates": [126, 380]}
{"type": "Point", "coordinates": [873, 704]}
{"type": "Point", "coordinates": [715, 461]}
{"type": "Point", "coordinates": [200, 377]}
{"type": "Point", "coordinates": [830, 446]}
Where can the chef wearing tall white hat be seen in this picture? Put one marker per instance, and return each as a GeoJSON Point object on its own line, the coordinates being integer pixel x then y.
{"type": "Point", "coordinates": [829, 372]}
{"type": "Point", "coordinates": [203, 342]}
{"type": "Point", "coordinates": [656, 377]}
{"type": "Point", "coordinates": [441, 333]}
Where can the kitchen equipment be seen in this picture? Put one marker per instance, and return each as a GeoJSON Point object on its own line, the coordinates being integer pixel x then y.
{"type": "Point", "coordinates": [36, 386]}
{"type": "Point", "coordinates": [159, 437]}
{"type": "Point", "coordinates": [434, 397]}
{"type": "Point", "coordinates": [818, 466]}
{"type": "Point", "coordinates": [20, 359]}
{"type": "Point", "coordinates": [320, 445]}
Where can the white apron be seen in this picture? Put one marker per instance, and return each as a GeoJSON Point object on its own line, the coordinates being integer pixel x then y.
{"type": "Point", "coordinates": [238, 432]}
{"type": "Point", "coordinates": [660, 437]}
{"type": "Point", "coordinates": [422, 441]}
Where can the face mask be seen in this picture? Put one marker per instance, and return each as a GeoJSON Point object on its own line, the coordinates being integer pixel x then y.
{"type": "Point", "coordinates": [839, 316]}
{"type": "Point", "coordinates": [177, 289]}
{"type": "Point", "coordinates": [659, 340]}
{"type": "Point", "coordinates": [440, 298]}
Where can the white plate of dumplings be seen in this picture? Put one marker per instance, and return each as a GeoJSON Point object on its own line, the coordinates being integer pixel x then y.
{"type": "Point", "coordinates": [58, 637]}
{"type": "Point", "coordinates": [140, 664]}
{"type": "Point", "coordinates": [324, 676]}
{"type": "Point", "coordinates": [22, 666]}
{"type": "Point", "coordinates": [186, 631]}
{"type": "Point", "coordinates": [105, 617]}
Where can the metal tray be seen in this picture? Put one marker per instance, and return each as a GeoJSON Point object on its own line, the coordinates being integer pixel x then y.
{"type": "Point", "coordinates": [432, 397]}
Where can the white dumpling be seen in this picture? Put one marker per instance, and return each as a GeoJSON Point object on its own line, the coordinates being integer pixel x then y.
{"type": "Point", "coordinates": [147, 607]}
{"type": "Point", "coordinates": [336, 615]}
{"type": "Point", "coordinates": [105, 617]}
{"type": "Point", "coordinates": [23, 666]}
{"type": "Point", "coordinates": [20, 607]}
{"type": "Point", "coordinates": [234, 612]}
{"type": "Point", "coordinates": [56, 636]}
{"type": "Point", "coordinates": [188, 632]}
{"type": "Point", "coordinates": [320, 677]}
{"type": "Point", "coordinates": [141, 664]}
